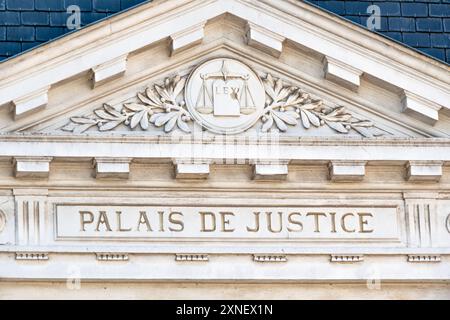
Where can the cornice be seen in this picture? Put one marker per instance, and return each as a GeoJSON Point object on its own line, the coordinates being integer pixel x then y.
{"type": "Point", "coordinates": [189, 139]}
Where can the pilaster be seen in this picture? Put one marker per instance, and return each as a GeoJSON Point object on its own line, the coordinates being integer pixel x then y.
{"type": "Point", "coordinates": [421, 211]}
{"type": "Point", "coordinates": [30, 212]}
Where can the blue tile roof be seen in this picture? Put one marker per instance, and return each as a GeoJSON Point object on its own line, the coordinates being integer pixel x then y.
{"type": "Point", "coordinates": [421, 24]}
{"type": "Point", "coordinates": [25, 24]}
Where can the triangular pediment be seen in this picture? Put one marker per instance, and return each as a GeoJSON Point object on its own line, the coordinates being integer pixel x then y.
{"type": "Point", "coordinates": [138, 79]}
{"type": "Point", "coordinates": [167, 104]}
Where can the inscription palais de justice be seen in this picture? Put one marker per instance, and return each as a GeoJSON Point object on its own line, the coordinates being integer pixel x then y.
{"type": "Point", "coordinates": [210, 221]}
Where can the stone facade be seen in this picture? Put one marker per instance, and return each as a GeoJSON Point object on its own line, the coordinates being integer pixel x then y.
{"type": "Point", "coordinates": [266, 146]}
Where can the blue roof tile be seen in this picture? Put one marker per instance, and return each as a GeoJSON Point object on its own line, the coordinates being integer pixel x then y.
{"type": "Point", "coordinates": [20, 34]}
{"type": "Point", "coordinates": [429, 25]}
{"type": "Point", "coordinates": [49, 5]}
{"type": "Point", "coordinates": [84, 5]}
{"type": "Point", "coordinates": [8, 48]}
{"type": "Point", "coordinates": [402, 24]}
{"type": "Point", "coordinates": [20, 5]}
{"type": "Point", "coordinates": [34, 18]}
{"type": "Point", "coordinates": [414, 9]}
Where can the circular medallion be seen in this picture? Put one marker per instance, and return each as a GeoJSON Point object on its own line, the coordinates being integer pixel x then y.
{"type": "Point", "coordinates": [225, 96]}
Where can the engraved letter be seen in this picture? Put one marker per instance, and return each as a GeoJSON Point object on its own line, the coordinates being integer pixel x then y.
{"type": "Point", "coordinates": [161, 220]}
{"type": "Point", "coordinates": [83, 221]}
{"type": "Point", "coordinates": [344, 227]}
{"type": "Point", "coordinates": [363, 221]}
{"type": "Point", "coordinates": [119, 223]}
{"type": "Point", "coordinates": [300, 225]}
{"type": "Point", "coordinates": [269, 222]}
{"type": "Point", "coordinates": [103, 219]}
{"type": "Point", "coordinates": [226, 221]}
{"type": "Point", "coordinates": [143, 220]}
{"type": "Point", "coordinates": [256, 228]}
{"type": "Point", "coordinates": [203, 220]}
{"type": "Point", "coordinates": [316, 219]}
{"type": "Point", "coordinates": [176, 221]}
{"type": "Point", "coordinates": [333, 222]}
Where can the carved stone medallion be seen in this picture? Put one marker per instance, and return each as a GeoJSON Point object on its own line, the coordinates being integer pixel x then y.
{"type": "Point", "coordinates": [225, 96]}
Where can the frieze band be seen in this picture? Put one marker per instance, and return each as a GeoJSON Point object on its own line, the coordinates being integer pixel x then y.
{"type": "Point", "coordinates": [135, 222]}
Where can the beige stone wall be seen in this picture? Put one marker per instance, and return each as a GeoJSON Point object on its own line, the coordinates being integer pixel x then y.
{"type": "Point", "coordinates": [95, 290]}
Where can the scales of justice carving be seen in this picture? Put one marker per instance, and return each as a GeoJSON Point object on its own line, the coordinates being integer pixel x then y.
{"type": "Point", "coordinates": [224, 96]}
{"type": "Point", "coordinates": [225, 93]}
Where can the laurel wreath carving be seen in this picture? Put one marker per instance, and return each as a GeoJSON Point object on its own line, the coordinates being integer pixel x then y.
{"type": "Point", "coordinates": [159, 106]}
{"type": "Point", "coordinates": [163, 106]}
{"type": "Point", "coordinates": [287, 104]}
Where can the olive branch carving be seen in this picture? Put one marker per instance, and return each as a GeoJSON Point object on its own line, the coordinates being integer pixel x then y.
{"type": "Point", "coordinates": [158, 105]}
{"type": "Point", "coordinates": [285, 105]}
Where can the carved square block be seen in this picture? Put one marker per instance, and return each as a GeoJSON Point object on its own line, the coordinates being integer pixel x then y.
{"type": "Point", "coordinates": [109, 70]}
{"type": "Point", "coordinates": [112, 168]}
{"type": "Point", "coordinates": [187, 38]}
{"type": "Point", "coordinates": [424, 171]}
{"type": "Point", "coordinates": [32, 167]}
{"type": "Point", "coordinates": [420, 108]}
{"type": "Point", "coordinates": [271, 171]}
{"type": "Point", "coordinates": [342, 74]}
{"type": "Point", "coordinates": [264, 40]}
{"type": "Point", "coordinates": [191, 170]}
{"type": "Point", "coordinates": [347, 171]}
{"type": "Point", "coordinates": [30, 103]}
